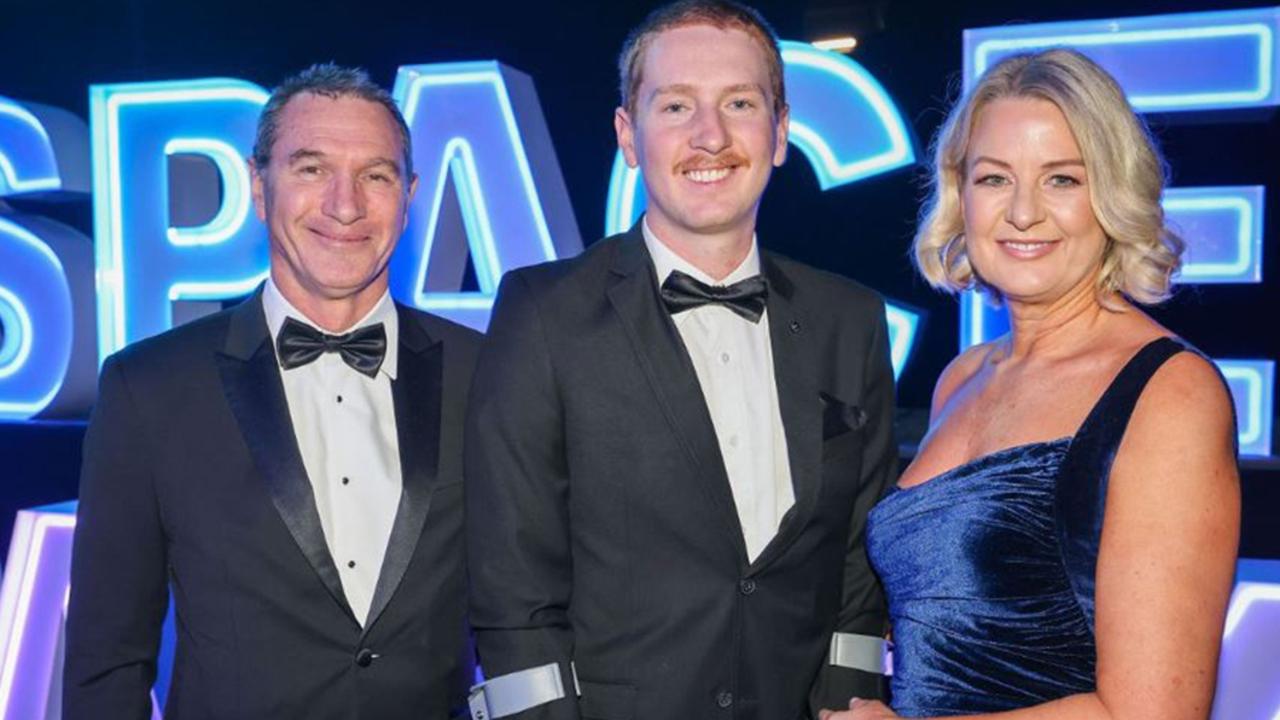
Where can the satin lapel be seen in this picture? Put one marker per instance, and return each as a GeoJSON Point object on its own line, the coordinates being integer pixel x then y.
{"type": "Point", "coordinates": [798, 404]}
{"type": "Point", "coordinates": [251, 383]}
{"type": "Point", "coordinates": [416, 394]}
{"type": "Point", "coordinates": [662, 355]}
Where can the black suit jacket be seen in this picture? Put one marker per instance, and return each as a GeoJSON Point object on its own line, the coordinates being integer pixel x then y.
{"type": "Point", "coordinates": [193, 483]}
{"type": "Point", "coordinates": [601, 527]}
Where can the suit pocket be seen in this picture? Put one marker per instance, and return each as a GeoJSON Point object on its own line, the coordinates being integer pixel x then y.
{"type": "Point", "coordinates": [839, 418]}
{"type": "Point", "coordinates": [606, 701]}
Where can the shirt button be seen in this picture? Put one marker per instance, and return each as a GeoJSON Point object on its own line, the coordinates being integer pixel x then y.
{"type": "Point", "coordinates": [733, 441]}
{"type": "Point", "coordinates": [351, 564]}
{"type": "Point", "coordinates": [346, 480]}
{"type": "Point", "coordinates": [747, 586]}
{"type": "Point", "coordinates": [724, 358]}
{"type": "Point", "coordinates": [724, 699]}
{"type": "Point", "coordinates": [339, 398]}
{"type": "Point", "coordinates": [365, 657]}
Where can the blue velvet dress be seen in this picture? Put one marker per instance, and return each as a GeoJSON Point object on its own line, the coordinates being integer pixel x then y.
{"type": "Point", "coordinates": [989, 567]}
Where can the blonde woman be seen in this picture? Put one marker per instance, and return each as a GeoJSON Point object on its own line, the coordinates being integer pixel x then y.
{"type": "Point", "coordinates": [1063, 544]}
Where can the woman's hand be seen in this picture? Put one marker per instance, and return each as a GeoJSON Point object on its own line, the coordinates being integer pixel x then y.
{"type": "Point", "coordinates": [860, 709]}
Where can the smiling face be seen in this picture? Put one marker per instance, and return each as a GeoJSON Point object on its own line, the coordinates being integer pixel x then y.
{"type": "Point", "coordinates": [703, 132]}
{"type": "Point", "coordinates": [334, 197]}
{"type": "Point", "coordinates": [1029, 225]}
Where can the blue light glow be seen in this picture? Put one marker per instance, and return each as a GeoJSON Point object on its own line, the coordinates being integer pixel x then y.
{"type": "Point", "coordinates": [491, 146]}
{"type": "Point", "coordinates": [841, 119]}
{"type": "Point", "coordinates": [27, 162]}
{"type": "Point", "coordinates": [1167, 63]}
{"type": "Point", "coordinates": [35, 306]}
{"type": "Point", "coordinates": [236, 191]}
{"type": "Point", "coordinates": [16, 321]}
{"type": "Point", "coordinates": [1246, 669]}
{"type": "Point", "coordinates": [1252, 384]}
{"type": "Point", "coordinates": [1223, 230]}
{"type": "Point", "coordinates": [458, 162]}
{"type": "Point", "coordinates": [626, 200]}
{"type": "Point", "coordinates": [143, 264]}
{"type": "Point", "coordinates": [903, 325]}
{"type": "Point", "coordinates": [979, 322]}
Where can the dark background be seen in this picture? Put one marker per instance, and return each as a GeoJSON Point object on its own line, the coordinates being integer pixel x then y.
{"type": "Point", "coordinates": [51, 51]}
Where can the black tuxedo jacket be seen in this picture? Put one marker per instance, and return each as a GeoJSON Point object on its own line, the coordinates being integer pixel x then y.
{"type": "Point", "coordinates": [193, 483]}
{"type": "Point", "coordinates": [601, 527]}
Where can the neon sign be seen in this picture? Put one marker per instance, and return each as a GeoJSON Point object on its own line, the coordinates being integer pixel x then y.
{"type": "Point", "coordinates": [480, 138]}
{"type": "Point", "coordinates": [45, 273]}
{"type": "Point", "coordinates": [144, 264]}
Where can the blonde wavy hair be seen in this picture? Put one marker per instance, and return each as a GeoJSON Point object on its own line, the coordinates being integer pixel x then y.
{"type": "Point", "coordinates": [1125, 170]}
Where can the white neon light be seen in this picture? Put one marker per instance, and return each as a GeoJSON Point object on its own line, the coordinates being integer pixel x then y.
{"type": "Point", "coordinates": [458, 161]}
{"type": "Point", "coordinates": [1114, 36]}
{"type": "Point", "coordinates": [234, 209]}
{"type": "Point", "coordinates": [1251, 377]}
{"type": "Point", "coordinates": [814, 145]}
{"type": "Point", "coordinates": [14, 304]}
{"type": "Point", "coordinates": [105, 104]}
{"type": "Point", "coordinates": [1245, 595]}
{"type": "Point", "coordinates": [837, 44]}
{"type": "Point", "coordinates": [26, 329]}
{"type": "Point", "coordinates": [16, 184]}
{"type": "Point", "coordinates": [620, 207]}
{"type": "Point", "coordinates": [29, 570]}
{"type": "Point", "coordinates": [457, 301]}
{"type": "Point", "coordinates": [869, 90]}
{"type": "Point", "coordinates": [973, 330]}
{"type": "Point", "coordinates": [902, 331]}
{"type": "Point", "coordinates": [1244, 235]}
{"type": "Point", "coordinates": [476, 73]}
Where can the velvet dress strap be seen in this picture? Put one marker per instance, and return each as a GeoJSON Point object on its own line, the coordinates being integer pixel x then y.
{"type": "Point", "coordinates": [1081, 494]}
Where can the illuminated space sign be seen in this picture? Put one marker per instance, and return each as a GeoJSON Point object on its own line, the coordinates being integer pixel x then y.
{"type": "Point", "coordinates": [171, 202]}
{"type": "Point", "coordinates": [171, 196]}
{"type": "Point", "coordinates": [1186, 63]}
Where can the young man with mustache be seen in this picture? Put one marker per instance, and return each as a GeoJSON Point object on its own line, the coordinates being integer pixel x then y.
{"type": "Point", "coordinates": [673, 439]}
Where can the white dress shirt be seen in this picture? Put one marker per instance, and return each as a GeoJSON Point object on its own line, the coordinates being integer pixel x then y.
{"type": "Point", "coordinates": [345, 424]}
{"type": "Point", "coordinates": [733, 359]}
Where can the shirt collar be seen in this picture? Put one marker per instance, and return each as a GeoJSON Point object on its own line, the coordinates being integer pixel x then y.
{"type": "Point", "coordinates": [277, 308]}
{"type": "Point", "coordinates": [666, 260]}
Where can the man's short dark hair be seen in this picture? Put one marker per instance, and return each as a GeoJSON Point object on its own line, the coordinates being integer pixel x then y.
{"type": "Point", "coordinates": [721, 14]}
{"type": "Point", "coordinates": [331, 81]}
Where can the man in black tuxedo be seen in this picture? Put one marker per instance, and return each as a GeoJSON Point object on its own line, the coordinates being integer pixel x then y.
{"type": "Point", "coordinates": [673, 439]}
{"type": "Point", "coordinates": [289, 469]}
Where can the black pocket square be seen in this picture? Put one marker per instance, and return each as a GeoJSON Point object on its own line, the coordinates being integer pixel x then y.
{"type": "Point", "coordinates": [839, 418]}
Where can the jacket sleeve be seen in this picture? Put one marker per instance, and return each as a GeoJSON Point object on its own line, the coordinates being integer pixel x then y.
{"type": "Point", "coordinates": [517, 487]}
{"type": "Point", "coordinates": [864, 610]}
{"type": "Point", "coordinates": [118, 579]}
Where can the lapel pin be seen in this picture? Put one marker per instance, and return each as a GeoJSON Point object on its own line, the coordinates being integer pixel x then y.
{"type": "Point", "coordinates": [794, 327]}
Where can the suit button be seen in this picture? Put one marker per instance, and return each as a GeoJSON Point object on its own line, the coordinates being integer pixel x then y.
{"type": "Point", "coordinates": [747, 586]}
{"type": "Point", "coordinates": [724, 699]}
{"type": "Point", "coordinates": [365, 657]}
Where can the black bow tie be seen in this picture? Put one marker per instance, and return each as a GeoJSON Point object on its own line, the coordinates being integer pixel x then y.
{"type": "Point", "coordinates": [298, 344]}
{"type": "Point", "coordinates": [745, 297]}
